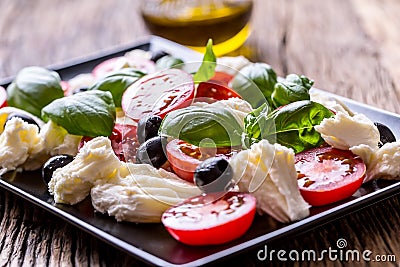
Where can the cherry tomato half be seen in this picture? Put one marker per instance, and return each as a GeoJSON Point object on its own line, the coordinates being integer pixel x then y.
{"type": "Point", "coordinates": [327, 175]}
{"type": "Point", "coordinates": [184, 157]}
{"type": "Point", "coordinates": [3, 97]}
{"type": "Point", "coordinates": [210, 219]}
{"type": "Point", "coordinates": [216, 89]}
{"type": "Point", "coordinates": [158, 94]}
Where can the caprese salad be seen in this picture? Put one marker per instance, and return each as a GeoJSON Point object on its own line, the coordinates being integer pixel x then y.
{"type": "Point", "coordinates": [151, 139]}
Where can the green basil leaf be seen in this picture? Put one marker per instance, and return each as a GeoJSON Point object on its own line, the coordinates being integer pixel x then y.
{"type": "Point", "coordinates": [197, 126]}
{"type": "Point", "coordinates": [255, 83]}
{"type": "Point", "coordinates": [34, 88]}
{"type": "Point", "coordinates": [291, 125]}
{"type": "Point", "coordinates": [90, 113]}
{"type": "Point", "coordinates": [293, 88]}
{"type": "Point", "coordinates": [118, 82]}
{"type": "Point", "coordinates": [168, 61]}
{"type": "Point", "coordinates": [252, 123]}
{"type": "Point", "coordinates": [207, 68]}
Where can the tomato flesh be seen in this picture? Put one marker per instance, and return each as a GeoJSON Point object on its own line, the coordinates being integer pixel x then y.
{"type": "Point", "coordinates": [123, 141]}
{"type": "Point", "coordinates": [327, 175]}
{"type": "Point", "coordinates": [210, 219]}
{"type": "Point", "coordinates": [216, 89]}
{"type": "Point", "coordinates": [184, 157]}
{"type": "Point", "coordinates": [3, 97]}
{"type": "Point", "coordinates": [158, 94]}
{"type": "Point", "coordinates": [109, 65]}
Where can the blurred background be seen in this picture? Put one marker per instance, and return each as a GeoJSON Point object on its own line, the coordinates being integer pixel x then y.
{"type": "Point", "coordinates": [324, 40]}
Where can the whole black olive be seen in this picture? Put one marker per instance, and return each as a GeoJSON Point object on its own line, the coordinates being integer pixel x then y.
{"type": "Point", "coordinates": [54, 163]}
{"type": "Point", "coordinates": [157, 55]}
{"type": "Point", "coordinates": [152, 152]}
{"type": "Point", "coordinates": [386, 135]}
{"type": "Point", "coordinates": [148, 127]}
{"type": "Point", "coordinates": [214, 175]}
{"type": "Point", "coordinates": [23, 117]}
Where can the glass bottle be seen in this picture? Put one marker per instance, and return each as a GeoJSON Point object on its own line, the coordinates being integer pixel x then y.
{"type": "Point", "coordinates": [193, 22]}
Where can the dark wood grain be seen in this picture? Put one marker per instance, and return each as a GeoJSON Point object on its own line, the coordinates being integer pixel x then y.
{"type": "Point", "coordinates": [351, 48]}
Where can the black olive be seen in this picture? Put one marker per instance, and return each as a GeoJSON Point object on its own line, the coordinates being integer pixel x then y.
{"type": "Point", "coordinates": [157, 55]}
{"type": "Point", "coordinates": [54, 163]}
{"type": "Point", "coordinates": [23, 117]}
{"type": "Point", "coordinates": [386, 135]}
{"type": "Point", "coordinates": [152, 152]}
{"type": "Point", "coordinates": [214, 175]}
{"type": "Point", "coordinates": [148, 127]}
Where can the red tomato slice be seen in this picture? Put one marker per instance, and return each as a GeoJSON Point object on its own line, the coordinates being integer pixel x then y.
{"type": "Point", "coordinates": [216, 89]}
{"type": "Point", "coordinates": [184, 157]}
{"type": "Point", "coordinates": [327, 175]}
{"type": "Point", "coordinates": [210, 219]}
{"type": "Point", "coordinates": [3, 97]}
{"type": "Point", "coordinates": [223, 77]}
{"type": "Point", "coordinates": [108, 65]}
{"type": "Point", "coordinates": [158, 94]}
{"type": "Point", "coordinates": [104, 67]}
{"type": "Point", "coordinates": [123, 141]}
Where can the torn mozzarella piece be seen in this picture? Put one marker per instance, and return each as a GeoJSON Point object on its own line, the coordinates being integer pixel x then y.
{"type": "Point", "coordinates": [17, 142]}
{"type": "Point", "coordinates": [143, 195]}
{"type": "Point", "coordinates": [4, 112]}
{"type": "Point", "coordinates": [231, 65]}
{"type": "Point", "coordinates": [58, 141]}
{"type": "Point", "coordinates": [83, 80]}
{"type": "Point", "coordinates": [268, 172]}
{"type": "Point", "coordinates": [329, 102]}
{"type": "Point", "coordinates": [343, 131]}
{"type": "Point", "coordinates": [381, 163]}
{"type": "Point", "coordinates": [95, 163]}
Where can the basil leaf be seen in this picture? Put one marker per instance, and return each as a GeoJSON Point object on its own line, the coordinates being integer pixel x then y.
{"type": "Point", "coordinates": [207, 68]}
{"type": "Point", "coordinates": [197, 126]}
{"type": "Point", "coordinates": [118, 82]}
{"type": "Point", "coordinates": [252, 124]}
{"type": "Point", "coordinates": [90, 113]}
{"type": "Point", "coordinates": [293, 88]}
{"type": "Point", "coordinates": [291, 126]}
{"type": "Point", "coordinates": [255, 83]}
{"type": "Point", "coordinates": [34, 88]}
{"type": "Point", "coordinates": [168, 61]}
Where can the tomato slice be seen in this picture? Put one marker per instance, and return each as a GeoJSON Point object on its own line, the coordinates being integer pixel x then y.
{"type": "Point", "coordinates": [184, 157]}
{"type": "Point", "coordinates": [210, 219]}
{"type": "Point", "coordinates": [158, 94]}
{"type": "Point", "coordinates": [123, 141]}
{"type": "Point", "coordinates": [327, 175]}
{"type": "Point", "coordinates": [3, 97]}
{"type": "Point", "coordinates": [216, 89]}
{"type": "Point", "coordinates": [104, 67]}
{"type": "Point", "coordinates": [109, 65]}
{"type": "Point", "coordinates": [222, 77]}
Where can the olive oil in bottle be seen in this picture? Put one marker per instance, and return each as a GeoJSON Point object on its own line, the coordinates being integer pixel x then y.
{"type": "Point", "coordinates": [193, 22]}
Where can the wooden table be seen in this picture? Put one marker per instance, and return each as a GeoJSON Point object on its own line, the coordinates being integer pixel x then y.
{"type": "Point", "coordinates": [351, 48]}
